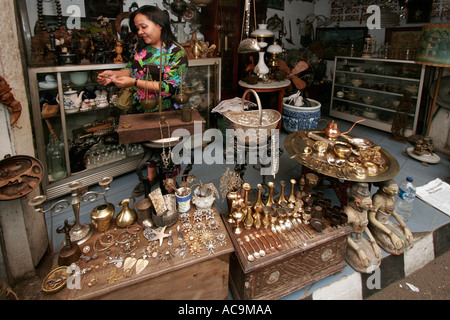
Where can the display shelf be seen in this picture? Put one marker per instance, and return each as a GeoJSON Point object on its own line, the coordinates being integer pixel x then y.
{"type": "Point", "coordinates": [372, 89]}
{"type": "Point", "coordinates": [203, 83]}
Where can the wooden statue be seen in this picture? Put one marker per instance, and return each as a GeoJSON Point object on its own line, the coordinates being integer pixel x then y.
{"type": "Point", "coordinates": [400, 122]}
{"type": "Point", "coordinates": [362, 254]}
{"type": "Point", "coordinates": [391, 237]}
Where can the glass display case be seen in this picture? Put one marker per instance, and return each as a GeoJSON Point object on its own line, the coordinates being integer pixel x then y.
{"type": "Point", "coordinates": [372, 89]}
{"type": "Point", "coordinates": [75, 121]}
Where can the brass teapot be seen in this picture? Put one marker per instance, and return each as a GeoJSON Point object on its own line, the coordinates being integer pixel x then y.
{"type": "Point", "coordinates": [332, 131]}
{"type": "Point", "coordinates": [128, 215]}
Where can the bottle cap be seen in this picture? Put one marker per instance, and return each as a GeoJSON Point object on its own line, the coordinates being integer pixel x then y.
{"type": "Point", "coordinates": [409, 179]}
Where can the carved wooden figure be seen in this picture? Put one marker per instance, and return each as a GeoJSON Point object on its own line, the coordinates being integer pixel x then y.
{"type": "Point", "coordinates": [391, 237]}
{"type": "Point", "coordinates": [362, 254]}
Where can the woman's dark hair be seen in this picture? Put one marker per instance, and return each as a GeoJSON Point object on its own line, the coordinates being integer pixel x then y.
{"type": "Point", "coordinates": [158, 16]}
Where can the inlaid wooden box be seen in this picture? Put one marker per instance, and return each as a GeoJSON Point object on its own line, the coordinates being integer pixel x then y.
{"type": "Point", "coordinates": [282, 272]}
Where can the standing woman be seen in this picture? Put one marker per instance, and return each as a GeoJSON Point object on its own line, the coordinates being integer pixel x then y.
{"type": "Point", "coordinates": [156, 44]}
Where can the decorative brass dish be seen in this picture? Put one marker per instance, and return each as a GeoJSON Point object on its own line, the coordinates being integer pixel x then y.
{"type": "Point", "coordinates": [19, 175]}
{"type": "Point", "coordinates": [56, 279]}
{"type": "Point", "coordinates": [367, 162]}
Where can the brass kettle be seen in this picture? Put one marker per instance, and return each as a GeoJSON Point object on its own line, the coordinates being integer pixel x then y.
{"type": "Point", "coordinates": [128, 215]}
{"type": "Point", "coordinates": [332, 131]}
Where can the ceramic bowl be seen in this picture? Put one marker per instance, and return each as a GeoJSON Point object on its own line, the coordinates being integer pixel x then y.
{"type": "Point", "coordinates": [352, 96]}
{"type": "Point", "coordinates": [370, 114]}
{"type": "Point", "coordinates": [342, 80]}
{"type": "Point", "coordinates": [357, 82]}
{"type": "Point", "coordinates": [368, 99]}
{"type": "Point", "coordinates": [79, 78]}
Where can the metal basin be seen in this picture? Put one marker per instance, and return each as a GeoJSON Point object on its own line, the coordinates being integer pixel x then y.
{"type": "Point", "coordinates": [249, 126]}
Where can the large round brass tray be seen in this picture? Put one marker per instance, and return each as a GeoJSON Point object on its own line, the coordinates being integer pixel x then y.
{"type": "Point", "coordinates": [296, 143]}
{"type": "Point", "coordinates": [19, 175]}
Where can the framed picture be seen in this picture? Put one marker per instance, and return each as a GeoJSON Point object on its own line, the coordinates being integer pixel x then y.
{"type": "Point", "coordinates": [401, 38]}
{"type": "Point", "coordinates": [275, 4]}
{"type": "Point", "coordinates": [419, 11]}
{"type": "Point", "coordinates": [339, 41]}
{"type": "Point", "coordinates": [108, 8]}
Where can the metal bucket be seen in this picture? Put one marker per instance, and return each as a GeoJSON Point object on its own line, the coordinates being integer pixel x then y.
{"type": "Point", "coordinates": [250, 125]}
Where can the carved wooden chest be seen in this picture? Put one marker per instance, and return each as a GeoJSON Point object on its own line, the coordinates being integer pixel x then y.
{"type": "Point", "coordinates": [306, 257]}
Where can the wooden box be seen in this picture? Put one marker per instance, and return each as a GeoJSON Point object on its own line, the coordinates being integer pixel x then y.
{"type": "Point", "coordinates": [201, 277]}
{"type": "Point", "coordinates": [143, 127]}
{"type": "Point", "coordinates": [301, 262]}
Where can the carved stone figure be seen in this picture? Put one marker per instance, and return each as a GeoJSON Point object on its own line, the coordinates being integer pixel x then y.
{"type": "Point", "coordinates": [391, 237]}
{"type": "Point", "coordinates": [362, 254]}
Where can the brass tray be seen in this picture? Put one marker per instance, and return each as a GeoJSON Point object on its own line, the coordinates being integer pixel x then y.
{"type": "Point", "coordinates": [296, 142]}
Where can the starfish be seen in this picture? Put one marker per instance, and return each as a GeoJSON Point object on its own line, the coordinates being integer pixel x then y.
{"type": "Point", "coordinates": [158, 234]}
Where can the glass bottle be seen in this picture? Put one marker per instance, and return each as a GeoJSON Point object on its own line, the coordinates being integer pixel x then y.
{"type": "Point", "coordinates": [56, 159]}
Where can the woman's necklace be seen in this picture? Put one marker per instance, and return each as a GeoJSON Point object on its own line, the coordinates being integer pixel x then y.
{"type": "Point", "coordinates": [41, 16]}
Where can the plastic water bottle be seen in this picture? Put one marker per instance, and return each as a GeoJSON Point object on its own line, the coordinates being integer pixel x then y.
{"type": "Point", "coordinates": [405, 200]}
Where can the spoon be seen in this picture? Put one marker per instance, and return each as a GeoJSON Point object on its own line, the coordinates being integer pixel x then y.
{"type": "Point", "coordinates": [290, 227]}
{"type": "Point", "coordinates": [275, 237]}
{"type": "Point", "coordinates": [250, 257]}
{"type": "Point", "coordinates": [272, 248]}
{"type": "Point", "coordinates": [280, 231]}
{"type": "Point", "coordinates": [262, 242]}
{"type": "Point", "coordinates": [262, 253]}
{"type": "Point", "coordinates": [255, 252]}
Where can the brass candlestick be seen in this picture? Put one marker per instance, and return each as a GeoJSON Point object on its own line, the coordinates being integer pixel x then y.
{"type": "Point", "coordinates": [79, 233]}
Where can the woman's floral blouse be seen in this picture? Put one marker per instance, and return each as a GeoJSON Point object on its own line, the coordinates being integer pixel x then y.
{"type": "Point", "coordinates": [145, 65]}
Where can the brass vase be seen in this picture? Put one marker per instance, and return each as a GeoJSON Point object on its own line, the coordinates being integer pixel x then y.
{"type": "Point", "coordinates": [248, 220]}
{"type": "Point", "coordinates": [270, 199]}
{"type": "Point", "coordinates": [102, 216]}
{"type": "Point", "coordinates": [282, 198]}
{"type": "Point", "coordinates": [128, 215]}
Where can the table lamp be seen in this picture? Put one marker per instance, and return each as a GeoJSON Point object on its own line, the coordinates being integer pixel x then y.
{"type": "Point", "coordinates": [434, 50]}
{"type": "Point", "coordinates": [261, 34]}
{"type": "Point", "coordinates": [274, 50]}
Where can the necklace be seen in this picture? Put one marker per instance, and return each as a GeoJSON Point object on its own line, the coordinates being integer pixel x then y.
{"type": "Point", "coordinates": [165, 157]}
{"type": "Point", "coordinates": [41, 16]}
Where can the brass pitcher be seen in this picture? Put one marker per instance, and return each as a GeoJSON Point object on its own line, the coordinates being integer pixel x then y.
{"type": "Point", "coordinates": [128, 215]}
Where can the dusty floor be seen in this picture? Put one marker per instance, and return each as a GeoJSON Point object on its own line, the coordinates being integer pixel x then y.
{"type": "Point", "coordinates": [432, 281]}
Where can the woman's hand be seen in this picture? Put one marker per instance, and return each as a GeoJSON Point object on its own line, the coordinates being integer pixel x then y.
{"type": "Point", "coordinates": [104, 78]}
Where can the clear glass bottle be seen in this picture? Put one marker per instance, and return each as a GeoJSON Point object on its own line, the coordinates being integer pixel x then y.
{"type": "Point", "coordinates": [56, 158]}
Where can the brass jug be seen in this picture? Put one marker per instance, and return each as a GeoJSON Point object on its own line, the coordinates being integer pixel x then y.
{"type": "Point", "coordinates": [128, 215]}
{"type": "Point", "coordinates": [102, 216]}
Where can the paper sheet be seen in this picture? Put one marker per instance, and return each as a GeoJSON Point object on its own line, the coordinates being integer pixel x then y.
{"type": "Point", "coordinates": [437, 194]}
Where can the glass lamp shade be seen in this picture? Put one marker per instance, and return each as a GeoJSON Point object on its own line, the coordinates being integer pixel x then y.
{"type": "Point", "coordinates": [434, 45]}
{"type": "Point", "coordinates": [262, 32]}
{"type": "Point", "coordinates": [274, 48]}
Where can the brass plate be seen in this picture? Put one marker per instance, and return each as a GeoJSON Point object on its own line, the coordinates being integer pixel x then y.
{"type": "Point", "coordinates": [296, 142]}
{"type": "Point", "coordinates": [59, 276]}
{"type": "Point", "coordinates": [19, 175]}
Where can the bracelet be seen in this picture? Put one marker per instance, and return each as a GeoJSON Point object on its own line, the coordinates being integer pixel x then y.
{"type": "Point", "coordinates": [135, 82]}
